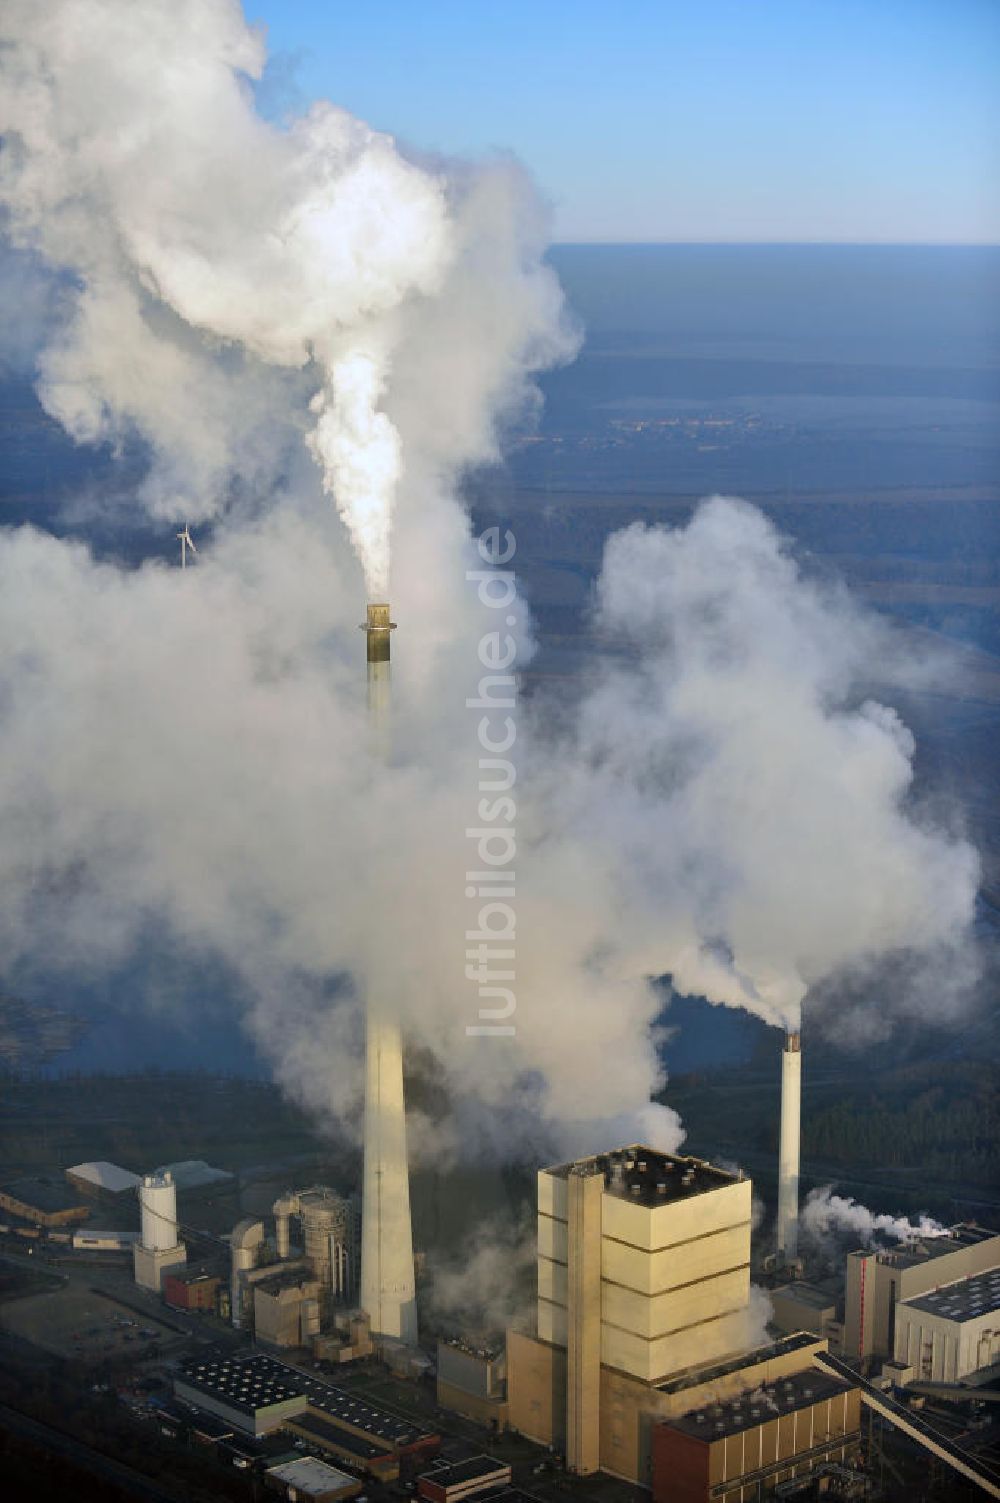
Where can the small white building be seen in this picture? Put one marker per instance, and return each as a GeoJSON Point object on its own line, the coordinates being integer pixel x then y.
{"type": "Point", "coordinates": [951, 1332]}
{"type": "Point", "coordinates": [93, 1240]}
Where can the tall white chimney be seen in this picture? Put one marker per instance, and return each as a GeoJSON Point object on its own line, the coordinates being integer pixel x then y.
{"type": "Point", "coordinates": [388, 1293]}
{"type": "Point", "coordinates": [788, 1152]}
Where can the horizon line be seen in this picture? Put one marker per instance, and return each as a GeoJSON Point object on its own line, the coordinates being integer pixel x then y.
{"type": "Point", "coordinates": [791, 244]}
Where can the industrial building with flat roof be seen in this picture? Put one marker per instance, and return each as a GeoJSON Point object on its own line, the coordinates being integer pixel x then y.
{"type": "Point", "coordinates": [951, 1332]}
{"type": "Point", "coordinates": [879, 1279]}
{"type": "Point", "coordinates": [194, 1174]}
{"type": "Point", "coordinates": [739, 1448]}
{"type": "Point", "coordinates": [101, 1178]}
{"type": "Point", "coordinates": [106, 1239]}
{"type": "Point", "coordinates": [473, 1381]}
{"type": "Point", "coordinates": [191, 1289]}
{"type": "Point", "coordinates": [240, 1391]}
{"type": "Point", "coordinates": [43, 1202]}
{"type": "Point", "coordinates": [805, 1307]}
{"type": "Point", "coordinates": [256, 1393]}
{"type": "Point", "coordinates": [308, 1479]}
{"type": "Point", "coordinates": [452, 1481]}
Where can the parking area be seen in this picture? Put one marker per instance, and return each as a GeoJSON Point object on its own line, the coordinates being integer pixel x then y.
{"type": "Point", "coordinates": [76, 1321]}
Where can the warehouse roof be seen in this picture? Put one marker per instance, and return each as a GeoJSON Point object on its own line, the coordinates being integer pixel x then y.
{"type": "Point", "coordinates": [340, 1404]}
{"type": "Point", "coordinates": [648, 1177]}
{"type": "Point", "coordinates": [48, 1195]}
{"type": "Point", "coordinates": [191, 1174]}
{"type": "Point", "coordinates": [312, 1475]}
{"type": "Point", "coordinates": [327, 1431]}
{"type": "Point", "coordinates": [450, 1474]}
{"type": "Point", "coordinates": [966, 1299]}
{"type": "Point", "coordinates": [105, 1176]}
{"type": "Point", "coordinates": [758, 1405]}
{"type": "Point", "coordinates": [223, 1374]}
{"type": "Point", "coordinates": [244, 1383]}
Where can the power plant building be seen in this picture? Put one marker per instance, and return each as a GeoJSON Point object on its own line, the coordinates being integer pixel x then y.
{"type": "Point", "coordinates": [878, 1280]}
{"type": "Point", "coordinates": [286, 1307]}
{"type": "Point", "coordinates": [642, 1256]}
{"type": "Point", "coordinates": [473, 1381]}
{"type": "Point", "coordinates": [643, 1296]}
{"type": "Point", "coordinates": [739, 1449]}
{"type": "Point", "coordinates": [950, 1333]}
{"type": "Point", "coordinates": [806, 1307]}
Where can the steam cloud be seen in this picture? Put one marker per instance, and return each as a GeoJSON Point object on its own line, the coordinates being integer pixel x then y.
{"type": "Point", "coordinates": [136, 158]}
{"type": "Point", "coordinates": [826, 1215]}
{"type": "Point", "coordinates": [488, 1287]}
{"type": "Point", "coordinates": [185, 755]}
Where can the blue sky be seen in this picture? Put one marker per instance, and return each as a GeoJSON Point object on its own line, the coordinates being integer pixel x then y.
{"type": "Point", "coordinates": [697, 120]}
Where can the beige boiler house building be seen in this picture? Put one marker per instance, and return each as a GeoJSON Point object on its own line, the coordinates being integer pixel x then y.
{"type": "Point", "coordinates": [643, 1293]}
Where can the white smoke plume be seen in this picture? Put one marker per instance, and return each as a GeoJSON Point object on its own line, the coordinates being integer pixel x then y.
{"type": "Point", "coordinates": [221, 261]}
{"type": "Point", "coordinates": [488, 1284]}
{"type": "Point", "coordinates": [734, 769]}
{"type": "Point", "coordinates": [186, 755]}
{"type": "Point", "coordinates": [827, 1216]}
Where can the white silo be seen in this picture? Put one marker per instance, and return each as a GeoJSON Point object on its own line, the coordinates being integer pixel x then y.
{"type": "Point", "coordinates": [159, 1247]}
{"type": "Point", "coordinates": [158, 1211]}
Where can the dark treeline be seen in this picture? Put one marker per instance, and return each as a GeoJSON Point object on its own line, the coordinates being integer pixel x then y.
{"type": "Point", "coordinates": [941, 1119]}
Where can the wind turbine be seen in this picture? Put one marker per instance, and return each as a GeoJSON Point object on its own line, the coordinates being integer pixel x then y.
{"type": "Point", "coordinates": [186, 541]}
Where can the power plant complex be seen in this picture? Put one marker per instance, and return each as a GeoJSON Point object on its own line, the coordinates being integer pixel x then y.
{"type": "Point", "coordinates": [649, 1355]}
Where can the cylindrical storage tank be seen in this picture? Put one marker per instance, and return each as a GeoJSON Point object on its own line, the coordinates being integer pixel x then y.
{"type": "Point", "coordinates": [158, 1212]}
{"type": "Point", "coordinates": [326, 1219]}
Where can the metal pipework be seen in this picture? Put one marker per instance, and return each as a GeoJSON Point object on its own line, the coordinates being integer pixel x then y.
{"type": "Point", "coordinates": [788, 1153]}
{"type": "Point", "coordinates": [284, 1207]}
